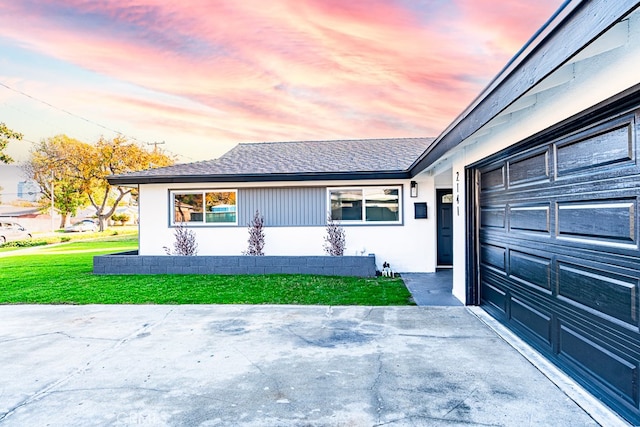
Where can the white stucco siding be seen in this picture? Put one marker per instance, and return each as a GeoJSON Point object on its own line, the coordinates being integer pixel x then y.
{"type": "Point", "coordinates": [409, 247]}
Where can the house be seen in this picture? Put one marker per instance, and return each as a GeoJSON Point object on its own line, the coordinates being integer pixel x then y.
{"type": "Point", "coordinates": [365, 184]}
{"type": "Point", "coordinates": [29, 217]}
{"type": "Point", "coordinates": [532, 196]}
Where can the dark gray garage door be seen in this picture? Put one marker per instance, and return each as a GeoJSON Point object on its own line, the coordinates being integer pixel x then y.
{"type": "Point", "coordinates": [558, 251]}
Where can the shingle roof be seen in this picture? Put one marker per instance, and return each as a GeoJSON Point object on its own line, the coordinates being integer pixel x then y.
{"type": "Point", "coordinates": [293, 160]}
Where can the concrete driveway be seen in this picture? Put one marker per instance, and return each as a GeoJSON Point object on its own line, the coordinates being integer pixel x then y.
{"type": "Point", "coordinates": [267, 366]}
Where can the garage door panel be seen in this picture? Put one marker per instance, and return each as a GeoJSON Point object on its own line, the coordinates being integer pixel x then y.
{"type": "Point", "coordinates": [532, 168]}
{"type": "Point", "coordinates": [617, 372]}
{"type": "Point", "coordinates": [534, 321]}
{"type": "Point", "coordinates": [493, 216]}
{"type": "Point", "coordinates": [494, 256]}
{"type": "Point", "coordinates": [611, 221]}
{"type": "Point", "coordinates": [530, 217]}
{"type": "Point", "coordinates": [532, 270]}
{"type": "Point", "coordinates": [596, 148]}
{"type": "Point", "coordinates": [602, 293]}
{"type": "Point", "coordinates": [613, 187]}
{"type": "Point", "coordinates": [494, 179]}
{"type": "Point", "coordinates": [620, 254]}
{"type": "Point", "coordinates": [559, 252]}
{"type": "Point", "coordinates": [496, 297]}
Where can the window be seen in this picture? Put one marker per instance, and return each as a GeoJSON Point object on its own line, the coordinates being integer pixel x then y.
{"type": "Point", "coordinates": [208, 207]}
{"type": "Point", "coordinates": [346, 205]}
{"type": "Point", "coordinates": [366, 204]}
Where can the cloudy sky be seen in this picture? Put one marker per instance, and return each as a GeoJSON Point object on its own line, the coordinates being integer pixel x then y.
{"type": "Point", "coordinates": [204, 75]}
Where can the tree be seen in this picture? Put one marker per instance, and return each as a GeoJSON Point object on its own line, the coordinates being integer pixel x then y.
{"type": "Point", "coordinates": [46, 167]}
{"type": "Point", "coordinates": [6, 135]}
{"type": "Point", "coordinates": [113, 157]}
{"type": "Point", "coordinates": [88, 166]}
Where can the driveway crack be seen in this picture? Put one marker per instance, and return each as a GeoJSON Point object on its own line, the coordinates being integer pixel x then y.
{"type": "Point", "coordinates": [57, 384]}
{"type": "Point", "coordinates": [375, 388]}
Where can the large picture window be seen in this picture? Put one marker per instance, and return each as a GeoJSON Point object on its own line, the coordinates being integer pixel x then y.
{"type": "Point", "coordinates": [366, 204]}
{"type": "Point", "coordinates": [204, 207]}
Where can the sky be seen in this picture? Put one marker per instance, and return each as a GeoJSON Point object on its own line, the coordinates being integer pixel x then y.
{"type": "Point", "coordinates": [200, 76]}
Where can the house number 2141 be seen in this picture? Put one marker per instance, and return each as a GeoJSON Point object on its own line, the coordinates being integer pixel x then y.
{"type": "Point", "coordinates": [458, 193]}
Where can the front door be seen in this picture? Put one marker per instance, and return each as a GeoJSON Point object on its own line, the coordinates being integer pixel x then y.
{"type": "Point", "coordinates": [444, 205]}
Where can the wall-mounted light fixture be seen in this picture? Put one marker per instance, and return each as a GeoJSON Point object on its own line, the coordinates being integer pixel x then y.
{"type": "Point", "coordinates": [414, 189]}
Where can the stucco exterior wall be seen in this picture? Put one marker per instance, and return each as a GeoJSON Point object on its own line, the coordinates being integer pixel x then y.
{"type": "Point", "coordinates": [409, 247]}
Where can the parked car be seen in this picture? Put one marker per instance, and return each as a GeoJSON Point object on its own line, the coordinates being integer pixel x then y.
{"type": "Point", "coordinates": [84, 225]}
{"type": "Point", "coordinates": [12, 231]}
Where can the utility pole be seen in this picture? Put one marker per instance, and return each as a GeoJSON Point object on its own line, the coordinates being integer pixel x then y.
{"type": "Point", "coordinates": [155, 145]}
{"type": "Point", "coordinates": [52, 203]}
{"type": "Point", "coordinates": [155, 150]}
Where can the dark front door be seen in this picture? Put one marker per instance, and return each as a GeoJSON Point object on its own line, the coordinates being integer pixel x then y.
{"type": "Point", "coordinates": [444, 205]}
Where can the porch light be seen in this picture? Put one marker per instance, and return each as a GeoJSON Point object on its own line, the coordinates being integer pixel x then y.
{"type": "Point", "coordinates": [414, 189]}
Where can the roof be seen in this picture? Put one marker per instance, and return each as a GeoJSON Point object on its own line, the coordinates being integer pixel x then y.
{"type": "Point", "coordinates": [288, 161]}
{"type": "Point", "coordinates": [9, 211]}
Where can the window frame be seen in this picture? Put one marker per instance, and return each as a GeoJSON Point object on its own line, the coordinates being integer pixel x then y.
{"type": "Point", "coordinates": [203, 192]}
{"type": "Point", "coordinates": [363, 189]}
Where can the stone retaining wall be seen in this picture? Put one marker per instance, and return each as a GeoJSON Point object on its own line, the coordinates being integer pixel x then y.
{"type": "Point", "coordinates": [132, 263]}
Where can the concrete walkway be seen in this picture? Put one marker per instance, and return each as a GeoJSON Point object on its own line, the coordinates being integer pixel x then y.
{"type": "Point", "coordinates": [432, 289]}
{"type": "Point", "coordinates": [267, 366]}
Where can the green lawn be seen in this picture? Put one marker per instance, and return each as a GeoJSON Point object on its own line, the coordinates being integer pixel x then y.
{"type": "Point", "coordinates": [61, 274]}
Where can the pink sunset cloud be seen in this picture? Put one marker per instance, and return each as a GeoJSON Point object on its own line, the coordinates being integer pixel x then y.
{"type": "Point", "coordinates": [281, 70]}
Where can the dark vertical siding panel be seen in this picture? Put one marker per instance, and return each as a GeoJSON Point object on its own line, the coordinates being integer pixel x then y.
{"type": "Point", "coordinates": [296, 206]}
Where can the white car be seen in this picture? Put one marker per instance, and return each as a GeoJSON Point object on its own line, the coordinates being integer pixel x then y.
{"type": "Point", "coordinates": [84, 225]}
{"type": "Point", "coordinates": [12, 231]}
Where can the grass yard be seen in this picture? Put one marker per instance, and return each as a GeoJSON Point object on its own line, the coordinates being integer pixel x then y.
{"type": "Point", "coordinates": [62, 274]}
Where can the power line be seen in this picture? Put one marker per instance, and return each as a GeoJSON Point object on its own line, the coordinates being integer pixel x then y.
{"type": "Point", "coordinates": [63, 110]}
{"type": "Point", "coordinates": [155, 144]}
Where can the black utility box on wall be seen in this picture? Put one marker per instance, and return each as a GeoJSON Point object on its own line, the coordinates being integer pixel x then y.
{"type": "Point", "coordinates": [420, 210]}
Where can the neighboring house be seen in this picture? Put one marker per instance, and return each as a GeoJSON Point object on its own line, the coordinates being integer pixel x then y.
{"type": "Point", "coordinates": [29, 217]}
{"type": "Point", "coordinates": [532, 195]}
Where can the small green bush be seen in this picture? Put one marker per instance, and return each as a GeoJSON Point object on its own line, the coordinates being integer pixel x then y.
{"type": "Point", "coordinates": [24, 243]}
{"type": "Point", "coordinates": [121, 218]}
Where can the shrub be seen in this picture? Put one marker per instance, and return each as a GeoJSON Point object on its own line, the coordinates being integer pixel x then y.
{"type": "Point", "coordinates": [24, 243]}
{"type": "Point", "coordinates": [121, 218]}
{"type": "Point", "coordinates": [185, 242]}
{"type": "Point", "coordinates": [256, 236]}
{"type": "Point", "coordinates": [335, 239]}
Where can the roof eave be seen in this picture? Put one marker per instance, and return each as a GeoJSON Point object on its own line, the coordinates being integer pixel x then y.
{"type": "Point", "coordinates": [284, 177]}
